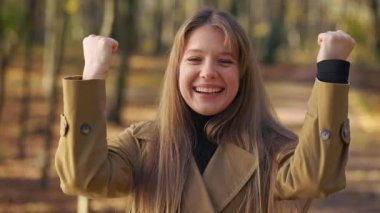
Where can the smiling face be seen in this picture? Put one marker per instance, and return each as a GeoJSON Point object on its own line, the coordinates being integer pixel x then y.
{"type": "Point", "coordinates": [208, 72]}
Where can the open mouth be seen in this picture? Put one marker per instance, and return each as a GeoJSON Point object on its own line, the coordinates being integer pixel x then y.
{"type": "Point", "coordinates": [208, 90]}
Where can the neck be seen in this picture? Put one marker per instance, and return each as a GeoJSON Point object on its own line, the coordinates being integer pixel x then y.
{"type": "Point", "coordinates": [203, 149]}
{"type": "Point", "coordinates": [199, 120]}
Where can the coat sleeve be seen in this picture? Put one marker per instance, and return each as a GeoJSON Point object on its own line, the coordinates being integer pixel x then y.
{"type": "Point", "coordinates": [86, 162]}
{"type": "Point", "coordinates": [316, 167]}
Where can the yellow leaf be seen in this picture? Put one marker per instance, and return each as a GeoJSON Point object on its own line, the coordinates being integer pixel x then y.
{"type": "Point", "coordinates": [71, 6]}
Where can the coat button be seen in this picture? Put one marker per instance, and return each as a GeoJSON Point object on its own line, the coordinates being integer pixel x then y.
{"type": "Point", "coordinates": [325, 134]}
{"type": "Point", "coordinates": [85, 129]}
{"type": "Point", "coordinates": [345, 132]}
{"type": "Point", "coordinates": [64, 126]}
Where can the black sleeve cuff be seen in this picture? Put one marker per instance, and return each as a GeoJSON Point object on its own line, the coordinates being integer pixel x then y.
{"type": "Point", "coordinates": [333, 71]}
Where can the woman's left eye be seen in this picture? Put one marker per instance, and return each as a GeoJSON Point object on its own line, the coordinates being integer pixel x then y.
{"type": "Point", "coordinates": [225, 62]}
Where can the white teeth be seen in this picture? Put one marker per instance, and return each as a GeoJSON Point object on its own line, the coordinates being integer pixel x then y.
{"type": "Point", "coordinates": [208, 90]}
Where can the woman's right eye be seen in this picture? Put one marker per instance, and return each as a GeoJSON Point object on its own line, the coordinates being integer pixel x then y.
{"type": "Point", "coordinates": [194, 60]}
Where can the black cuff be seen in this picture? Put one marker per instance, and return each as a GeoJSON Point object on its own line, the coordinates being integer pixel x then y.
{"type": "Point", "coordinates": [333, 71]}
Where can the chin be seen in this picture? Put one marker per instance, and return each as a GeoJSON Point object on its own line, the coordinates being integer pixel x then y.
{"type": "Point", "coordinates": [207, 112]}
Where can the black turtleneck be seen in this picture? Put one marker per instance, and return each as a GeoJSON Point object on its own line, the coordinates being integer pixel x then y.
{"type": "Point", "coordinates": [203, 148]}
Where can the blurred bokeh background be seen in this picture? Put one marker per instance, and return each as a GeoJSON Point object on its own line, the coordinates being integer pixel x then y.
{"type": "Point", "coordinates": [41, 41]}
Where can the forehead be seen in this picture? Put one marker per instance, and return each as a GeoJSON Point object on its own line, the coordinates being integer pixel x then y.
{"type": "Point", "coordinates": [208, 37]}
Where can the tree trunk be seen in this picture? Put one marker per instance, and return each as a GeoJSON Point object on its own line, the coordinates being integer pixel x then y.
{"type": "Point", "coordinates": [91, 15]}
{"type": "Point", "coordinates": [127, 43]}
{"type": "Point", "coordinates": [2, 64]}
{"type": "Point", "coordinates": [2, 83]}
{"type": "Point", "coordinates": [234, 7]}
{"type": "Point", "coordinates": [8, 46]}
{"type": "Point", "coordinates": [50, 64]}
{"type": "Point", "coordinates": [304, 23]}
{"type": "Point", "coordinates": [158, 20]}
{"type": "Point", "coordinates": [54, 38]}
{"type": "Point", "coordinates": [376, 25]}
{"type": "Point", "coordinates": [178, 14]}
{"type": "Point", "coordinates": [250, 18]}
{"type": "Point", "coordinates": [25, 100]}
{"type": "Point", "coordinates": [275, 34]}
{"type": "Point", "coordinates": [108, 17]}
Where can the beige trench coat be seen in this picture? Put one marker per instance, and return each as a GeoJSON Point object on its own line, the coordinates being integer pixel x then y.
{"type": "Point", "coordinates": [90, 165]}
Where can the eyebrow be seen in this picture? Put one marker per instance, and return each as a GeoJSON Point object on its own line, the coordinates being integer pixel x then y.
{"type": "Point", "coordinates": [201, 51]}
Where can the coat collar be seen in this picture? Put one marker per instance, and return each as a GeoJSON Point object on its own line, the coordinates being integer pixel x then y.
{"type": "Point", "coordinates": [196, 197]}
{"type": "Point", "coordinates": [226, 174]}
{"type": "Point", "coordinates": [228, 171]}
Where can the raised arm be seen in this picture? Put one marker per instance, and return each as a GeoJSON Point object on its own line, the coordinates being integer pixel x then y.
{"type": "Point", "coordinates": [316, 167]}
{"type": "Point", "coordinates": [86, 163]}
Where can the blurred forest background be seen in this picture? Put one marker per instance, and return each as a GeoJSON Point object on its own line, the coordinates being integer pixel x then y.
{"type": "Point", "coordinates": [41, 41]}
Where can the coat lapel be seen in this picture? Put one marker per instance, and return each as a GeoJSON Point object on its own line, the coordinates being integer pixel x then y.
{"type": "Point", "coordinates": [195, 197]}
{"type": "Point", "coordinates": [227, 172]}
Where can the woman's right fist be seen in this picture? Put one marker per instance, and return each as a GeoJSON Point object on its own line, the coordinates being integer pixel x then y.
{"type": "Point", "coordinates": [97, 56]}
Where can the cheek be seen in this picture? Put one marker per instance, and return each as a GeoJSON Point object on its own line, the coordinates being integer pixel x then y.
{"type": "Point", "coordinates": [183, 82]}
{"type": "Point", "coordinates": [233, 82]}
{"type": "Point", "coordinates": [234, 92]}
{"type": "Point", "coordinates": [181, 85]}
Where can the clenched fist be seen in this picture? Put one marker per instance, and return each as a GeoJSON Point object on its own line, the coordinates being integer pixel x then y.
{"type": "Point", "coordinates": [334, 45]}
{"type": "Point", "coordinates": [97, 56]}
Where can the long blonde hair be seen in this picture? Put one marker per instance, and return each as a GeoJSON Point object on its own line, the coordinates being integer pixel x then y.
{"type": "Point", "coordinates": [249, 122]}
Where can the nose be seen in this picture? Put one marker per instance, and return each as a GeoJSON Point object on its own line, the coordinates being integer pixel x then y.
{"type": "Point", "coordinates": [208, 70]}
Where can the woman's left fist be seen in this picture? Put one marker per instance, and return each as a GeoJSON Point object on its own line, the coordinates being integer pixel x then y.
{"type": "Point", "coordinates": [334, 45]}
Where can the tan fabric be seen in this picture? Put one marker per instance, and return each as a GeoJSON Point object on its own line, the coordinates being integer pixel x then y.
{"type": "Point", "coordinates": [88, 164]}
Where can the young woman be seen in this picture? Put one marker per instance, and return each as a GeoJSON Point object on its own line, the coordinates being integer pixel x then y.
{"type": "Point", "coordinates": [215, 145]}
